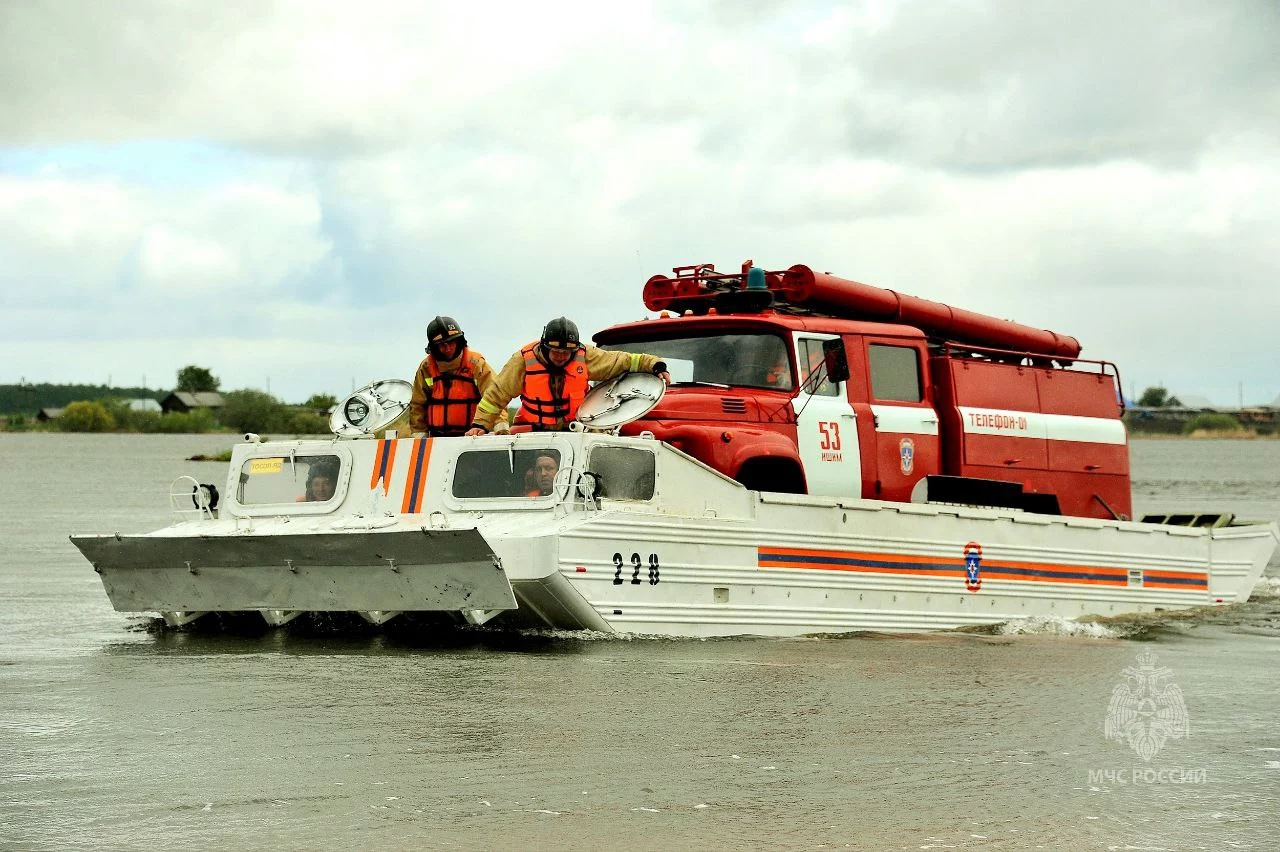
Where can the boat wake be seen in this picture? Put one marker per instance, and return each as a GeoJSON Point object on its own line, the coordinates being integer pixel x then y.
{"type": "Point", "coordinates": [1053, 625]}
{"type": "Point", "coordinates": [1267, 588]}
{"type": "Point", "coordinates": [1261, 613]}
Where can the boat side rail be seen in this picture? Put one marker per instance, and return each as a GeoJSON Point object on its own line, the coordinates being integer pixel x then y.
{"type": "Point", "coordinates": [575, 484]}
{"type": "Point", "coordinates": [192, 500]}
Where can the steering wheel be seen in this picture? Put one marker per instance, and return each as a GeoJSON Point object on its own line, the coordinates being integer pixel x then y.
{"type": "Point", "coordinates": [753, 373]}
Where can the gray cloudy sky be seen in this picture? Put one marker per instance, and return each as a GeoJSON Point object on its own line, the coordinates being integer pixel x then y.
{"type": "Point", "coordinates": [287, 192]}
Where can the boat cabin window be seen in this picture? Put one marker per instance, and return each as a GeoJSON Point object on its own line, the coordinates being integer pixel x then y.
{"type": "Point", "coordinates": [289, 479]}
{"type": "Point", "coordinates": [626, 473]}
{"type": "Point", "coordinates": [745, 360]}
{"type": "Point", "coordinates": [895, 373]}
{"type": "Point", "coordinates": [505, 473]}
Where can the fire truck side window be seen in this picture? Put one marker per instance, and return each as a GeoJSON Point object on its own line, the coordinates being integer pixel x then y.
{"type": "Point", "coordinates": [895, 373]}
{"type": "Point", "coordinates": [811, 361]}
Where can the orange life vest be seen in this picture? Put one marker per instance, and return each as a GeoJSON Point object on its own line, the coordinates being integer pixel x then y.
{"type": "Point", "coordinates": [540, 406]}
{"type": "Point", "coordinates": [451, 397]}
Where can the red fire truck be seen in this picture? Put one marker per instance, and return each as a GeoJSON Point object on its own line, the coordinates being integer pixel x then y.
{"type": "Point", "coordinates": [798, 381]}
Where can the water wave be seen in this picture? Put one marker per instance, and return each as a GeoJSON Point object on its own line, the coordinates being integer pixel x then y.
{"type": "Point", "coordinates": [1056, 625]}
{"type": "Point", "coordinates": [1267, 588]}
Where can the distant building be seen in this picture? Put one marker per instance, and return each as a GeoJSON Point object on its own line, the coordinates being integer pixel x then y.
{"type": "Point", "coordinates": [185, 402]}
{"type": "Point", "coordinates": [1194, 401]}
{"type": "Point", "coordinates": [147, 404]}
{"type": "Point", "coordinates": [1257, 414]}
{"type": "Point", "coordinates": [47, 414]}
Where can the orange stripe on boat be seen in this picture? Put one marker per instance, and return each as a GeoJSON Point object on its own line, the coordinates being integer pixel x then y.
{"type": "Point", "coordinates": [810, 554]}
{"type": "Point", "coordinates": [1183, 581]}
{"type": "Point", "coordinates": [415, 480]}
{"type": "Point", "coordinates": [383, 463]}
{"type": "Point", "coordinates": [936, 566]}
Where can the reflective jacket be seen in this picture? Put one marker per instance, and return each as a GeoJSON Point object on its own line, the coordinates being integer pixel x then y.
{"type": "Point", "coordinates": [445, 395]}
{"type": "Point", "coordinates": [542, 405]}
{"type": "Point", "coordinates": [509, 383]}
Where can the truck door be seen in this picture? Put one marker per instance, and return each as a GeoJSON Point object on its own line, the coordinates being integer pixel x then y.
{"type": "Point", "coordinates": [906, 425]}
{"type": "Point", "coordinates": [826, 430]}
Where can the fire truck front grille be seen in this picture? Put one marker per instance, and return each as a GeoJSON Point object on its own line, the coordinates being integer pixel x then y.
{"type": "Point", "coordinates": [733, 405]}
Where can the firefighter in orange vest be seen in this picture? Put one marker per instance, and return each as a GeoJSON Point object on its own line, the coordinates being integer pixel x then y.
{"type": "Point", "coordinates": [449, 383]}
{"type": "Point", "coordinates": [550, 376]}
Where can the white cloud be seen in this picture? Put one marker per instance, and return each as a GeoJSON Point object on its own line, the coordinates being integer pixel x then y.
{"type": "Point", "coordinates": [295, 189]}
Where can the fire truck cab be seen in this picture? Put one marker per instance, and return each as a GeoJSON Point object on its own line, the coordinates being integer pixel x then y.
{"type": "Point", "coordinates": [801, 382]}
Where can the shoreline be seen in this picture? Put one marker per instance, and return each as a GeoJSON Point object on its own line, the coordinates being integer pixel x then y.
{"type": "Point", "coordinates": [1203, 435]}
{"type": "Point", "coordinates": [1198, 435]}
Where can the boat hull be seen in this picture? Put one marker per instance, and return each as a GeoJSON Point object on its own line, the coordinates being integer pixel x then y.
{"type": "Point", "coordinates": [800, 567]}
{"type": "Point", "coordinates": [392, 571]}
{"type": "Point", "coordinates": [652, 542]}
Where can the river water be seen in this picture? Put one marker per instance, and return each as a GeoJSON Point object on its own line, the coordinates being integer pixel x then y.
{"type": "Point", "coordinates": [116, 735]}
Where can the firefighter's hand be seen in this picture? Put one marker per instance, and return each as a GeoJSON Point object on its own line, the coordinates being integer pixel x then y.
{"type": "Point", "coordinates": [665, 376]}
{"type": "Point", "coordinates": [473, 431]}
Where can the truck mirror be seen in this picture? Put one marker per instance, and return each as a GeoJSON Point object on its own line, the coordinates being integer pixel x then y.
{"type": "Point", "coordinates": [837, 363]}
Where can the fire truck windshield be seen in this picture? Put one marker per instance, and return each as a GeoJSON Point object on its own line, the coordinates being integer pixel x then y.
{"type": "Point", "coordinates": [740, 360]}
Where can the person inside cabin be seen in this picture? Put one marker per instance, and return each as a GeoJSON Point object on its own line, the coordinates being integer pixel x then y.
{"type": "Point", "coordinates": [779, 375]}
{"type": "Point", "coordinates": [762, 361]}
{"type": "Point", "coordinates": [449, 383]}
{"type": "Point", "coordinates": [541, 478]}
{"type": "Point", "coordinates": [551, 376]}
{"type": "Point", "coordinates": [322, 479]}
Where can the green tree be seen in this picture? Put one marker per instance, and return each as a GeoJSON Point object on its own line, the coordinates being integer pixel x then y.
{"type": "Point", "coordinates": [1158, 397]}
{"type": "Point", "coordinates": [86, 417]}
{"type": "Point", "coordinates": [253, 411]}
{"type": "Point", "coordinates": [29, 398]}
{"type": "Point", "coordinates": [1209, 421]}
{"type": "Point", "coordinates": [199, 420]}
{"type": "Point", "coordinates": [117, 410]}
{"type": "Point", "coordinates": [195, 379]}
{"type": "Point", "coordinates": [306, 422]}
{"type": "Point", "coordinates": [320, 401]}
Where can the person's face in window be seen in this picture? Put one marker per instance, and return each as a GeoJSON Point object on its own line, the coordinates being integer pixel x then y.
{"type": "Point", "coordinates": [544, 471]}
{"type": "Point", "coordinates": [321, 488]}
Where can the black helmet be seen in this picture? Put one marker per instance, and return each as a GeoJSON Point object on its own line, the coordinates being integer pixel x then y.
{"type": "Point", "coordinates": [560, 333]}
{"type": "Point", "coordinates": [444, 330]}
